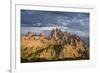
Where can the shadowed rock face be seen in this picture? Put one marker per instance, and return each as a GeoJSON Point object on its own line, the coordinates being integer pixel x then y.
{"type": "Point", "coordinates": [60, 45]}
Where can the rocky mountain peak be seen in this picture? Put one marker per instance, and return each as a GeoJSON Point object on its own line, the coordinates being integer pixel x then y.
{"type": "Point", "coordinates": [42, 34]}
{"type": "Point", "coordinates": [56, 34]}
{"type": "Point", "coordinates": [29, 34]}
{"type": "Point", "coordinates": [61, 45]}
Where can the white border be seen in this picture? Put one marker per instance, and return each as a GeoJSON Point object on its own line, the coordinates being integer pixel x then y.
{"type": "Point", "coordinates": [17, 66]}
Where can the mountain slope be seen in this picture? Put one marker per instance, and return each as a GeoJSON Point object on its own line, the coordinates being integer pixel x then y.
{"type": "Point", "coordinates": [58, 46]}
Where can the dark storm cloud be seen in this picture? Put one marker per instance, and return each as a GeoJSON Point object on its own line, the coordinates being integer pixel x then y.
{"type": "Point", "coordinates": [74, 21]}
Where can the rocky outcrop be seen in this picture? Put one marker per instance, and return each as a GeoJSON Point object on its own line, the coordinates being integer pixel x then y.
{"type": "Point", "coordinates": [56, 34]}
{"type": "Point", "coordinates": [61, 45]}
{"type": "Point", "coordinates": [28, 36]}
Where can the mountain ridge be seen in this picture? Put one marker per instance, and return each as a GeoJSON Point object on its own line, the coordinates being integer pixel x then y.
{"type": "Point", "coordinates": [58, 46]}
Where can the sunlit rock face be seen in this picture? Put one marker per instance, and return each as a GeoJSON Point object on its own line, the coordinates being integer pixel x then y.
{"type": "Point", "coordinates": [58, 46]}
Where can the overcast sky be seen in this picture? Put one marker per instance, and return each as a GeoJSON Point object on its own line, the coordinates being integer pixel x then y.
{"type": "Point", "coordinates": [73, 22]}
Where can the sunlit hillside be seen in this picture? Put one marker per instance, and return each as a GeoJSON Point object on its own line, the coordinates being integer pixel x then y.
{"type": "Point", "coordinates": [58, 46]}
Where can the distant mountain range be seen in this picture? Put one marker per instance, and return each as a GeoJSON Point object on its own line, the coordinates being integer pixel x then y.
{"type": "Point", "coordinates": [59, 45]}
